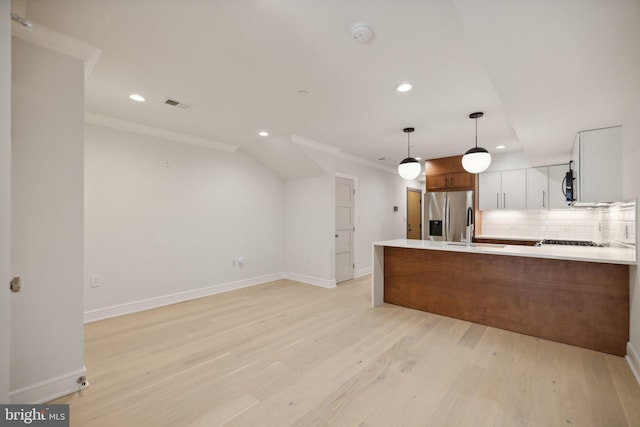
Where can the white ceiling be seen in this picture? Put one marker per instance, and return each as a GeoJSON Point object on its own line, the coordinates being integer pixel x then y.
{"type": "Point", "coordinates": [539, 70]}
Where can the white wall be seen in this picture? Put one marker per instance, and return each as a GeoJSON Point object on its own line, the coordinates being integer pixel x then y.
{"type": "Point", "coordinates": [631, 190]}
{"type": "Point", "coordinates": [165, 219]}
{"type": "Point", "coordinates": [377, 192]}
{"type": "Point", "coordinates": [47, 222]}
{"type": "Point", "coordinates": [308, 233]}
{"type": "Point", "coordinates": [5, 193]}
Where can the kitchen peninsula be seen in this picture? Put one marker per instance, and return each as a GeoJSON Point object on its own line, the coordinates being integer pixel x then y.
{"type": "Point", "coordinates": [573, 295]}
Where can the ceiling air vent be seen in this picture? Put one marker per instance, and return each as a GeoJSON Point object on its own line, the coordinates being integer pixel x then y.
{"type": "Point", "coordinates": [175, 103]}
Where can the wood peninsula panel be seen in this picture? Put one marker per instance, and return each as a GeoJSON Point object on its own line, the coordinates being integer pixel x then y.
{"type": "Point", "coordinates": [573, 302]}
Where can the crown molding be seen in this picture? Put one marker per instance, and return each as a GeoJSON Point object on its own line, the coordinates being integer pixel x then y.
{"type": "Point", "coordinates": [314, 145]}
{"type": "Point", "coordinates": [369, 163]}
{"type": "Point", "coordinates": [111, 122]}
{"type": "Point", "coordinates": [55, 40]}
{"type": "Point", "coordinates": [326, 148]}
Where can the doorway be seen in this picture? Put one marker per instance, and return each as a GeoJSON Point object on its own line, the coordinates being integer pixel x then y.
{"type": "Point", "coordinates": [344, 229]}
{"type": "Point", "coordinates": [414, 213]}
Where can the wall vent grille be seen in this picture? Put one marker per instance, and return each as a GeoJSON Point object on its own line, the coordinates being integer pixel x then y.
{"type": "Point", "coordinates": [176, 103]}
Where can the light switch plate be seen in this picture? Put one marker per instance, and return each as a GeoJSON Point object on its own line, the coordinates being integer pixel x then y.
{"type": "Point", "coordinates": [15, 284]}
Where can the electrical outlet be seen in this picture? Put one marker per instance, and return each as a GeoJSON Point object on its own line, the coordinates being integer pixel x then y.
{"type": "Point", "coordinates": [95, 282]}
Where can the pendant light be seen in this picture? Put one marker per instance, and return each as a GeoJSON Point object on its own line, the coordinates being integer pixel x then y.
{"type": "Point", "coordinates": [409, 168]}
{"type": "Point", "coordinates": [476, 159]}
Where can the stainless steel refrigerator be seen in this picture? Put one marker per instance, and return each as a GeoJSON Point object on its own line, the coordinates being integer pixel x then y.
{"type": "Point", "coordinates": [447, 214]}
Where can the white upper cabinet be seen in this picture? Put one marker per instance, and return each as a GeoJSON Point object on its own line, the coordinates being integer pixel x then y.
{"type": "Point", "coordinates": [490, 189]}
{"type": "Point", "coordinates": [597, 157]}
{"type": "Point", "coordinates": [545, 189]}
{"type": "Point", "coordinates": [538, 188]}
{"type": "Point", "coordinates": [503, 190]}
{"type": "Point", "coordinates": [557, 198]}
{"type": "Point", "coordinates": [514, 189]}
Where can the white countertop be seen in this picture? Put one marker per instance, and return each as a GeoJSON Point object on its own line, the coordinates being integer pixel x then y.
{"type": "Point", "coordinates": [571, 253]}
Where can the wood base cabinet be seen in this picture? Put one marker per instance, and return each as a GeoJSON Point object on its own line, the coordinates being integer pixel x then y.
{"type": "Point", "coordinates": [585, 304]}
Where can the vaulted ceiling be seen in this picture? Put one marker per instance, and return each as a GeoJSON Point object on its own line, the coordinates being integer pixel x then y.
{"type": "Point", "coordinates": [540, 70]}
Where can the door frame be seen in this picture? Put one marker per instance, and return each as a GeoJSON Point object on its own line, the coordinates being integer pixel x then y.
{"type": "Point", "coordinates": [354, 178]}
{"type": "Point", "coordinates": [415, 190]}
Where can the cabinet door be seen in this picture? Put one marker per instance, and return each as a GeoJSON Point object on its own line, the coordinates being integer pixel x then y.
{"type": "Point", "coordinates": [437, 182]}
{"type": "Point", "coordinates": [601, 165]}
{"type": "Point", "coordinates": [538, 188]}
{"type": "Point", "coordinates": [461, 180]}
{"type": "Point", "coordinates": [514, 189]}
{"type": "Point", "coordinates": [557, 199]}
{"type": "Point", "coordinates": [490, 190]}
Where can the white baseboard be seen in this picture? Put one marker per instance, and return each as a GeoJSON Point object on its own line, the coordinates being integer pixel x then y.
{"type": "Point", "coordinates": [49, 389]}
{"type": "Point", "coordinates": [325, 283]}
{"type": "Point", "coordinates": [363, 272]}
{"type": "Point", "coordinates": [155, 302]}
{"type": "Point", "coordinates": [634, 361]}
{"type": "Point", "coordinates": [135, 306]}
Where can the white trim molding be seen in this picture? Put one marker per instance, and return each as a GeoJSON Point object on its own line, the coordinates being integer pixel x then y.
{"type": "Point", "coordinates": [49, 389]}
{"type": "Point", "coordinates": [363, 272]}
{"type": "Point", "coordinates": [633, 359]}
{"type": "Point", "coordinates": [161, 301]}
{"type": "Point", "coordinates": [324, 283]}
{"type": "Point", "coordinates": [147, 304]}
{"type": "Point", "coordinates": [55, 40]}
{"type": "Point", "coordinates": [330, 149]}
{"type": "Point", "coordinates": [314, 145]}
{"type": "Point", "coordinates": [112, 122]}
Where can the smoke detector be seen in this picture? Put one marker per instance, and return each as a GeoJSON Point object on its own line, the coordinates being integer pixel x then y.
{"type": "Point", "coordinates": [362, 33]}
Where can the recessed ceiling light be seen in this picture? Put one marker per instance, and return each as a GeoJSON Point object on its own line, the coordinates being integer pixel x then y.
{"type": "Point", "coordinates": [263, 133]}
{"type": "Point", "coordinates": [136, 97]}
{"type": "Point", "coordinates": [501, 147]}
{"type": "Point", "coordinates": [404, 87]}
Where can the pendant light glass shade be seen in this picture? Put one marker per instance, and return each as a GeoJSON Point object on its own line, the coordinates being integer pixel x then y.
{"type": "Point", "coordinates": [409, 168]}
{"type": "Point", "coordinates": [476, 159]}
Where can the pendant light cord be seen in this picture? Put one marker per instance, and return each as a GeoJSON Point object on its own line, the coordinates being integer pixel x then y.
{"type": "Point", "coordinates": [408, 144]}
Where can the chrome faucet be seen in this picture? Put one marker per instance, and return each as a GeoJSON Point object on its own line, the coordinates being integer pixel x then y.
{"type": "Point", "coordinates": [470, 221]}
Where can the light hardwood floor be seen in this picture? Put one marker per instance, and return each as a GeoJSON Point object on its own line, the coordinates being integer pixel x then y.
{"type": "Point", "coordinates": [289, 354]}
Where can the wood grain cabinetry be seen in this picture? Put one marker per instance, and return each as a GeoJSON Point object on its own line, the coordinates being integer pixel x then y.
{"type": "Point", "coordinates": [585, 304]}
{"type": "Point", "coordinates": [447, 174]}
{"type": "Point", "coordinates": [450, 181]}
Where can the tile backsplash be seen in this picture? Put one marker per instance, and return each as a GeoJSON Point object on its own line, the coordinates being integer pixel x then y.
{"type": "Point", "coordinates": [610, 224]}
{"type": "Point", "coordinates": [617, 224]}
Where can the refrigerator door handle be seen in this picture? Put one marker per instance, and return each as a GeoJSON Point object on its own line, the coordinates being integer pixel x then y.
{"type": "Point", "coordinates": [447, 221]}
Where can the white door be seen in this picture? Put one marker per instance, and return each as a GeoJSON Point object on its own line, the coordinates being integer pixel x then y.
{"type": "Point", "coordinates": [344, 229]}
{"type": "Point", "coordinates": [5, 197]}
